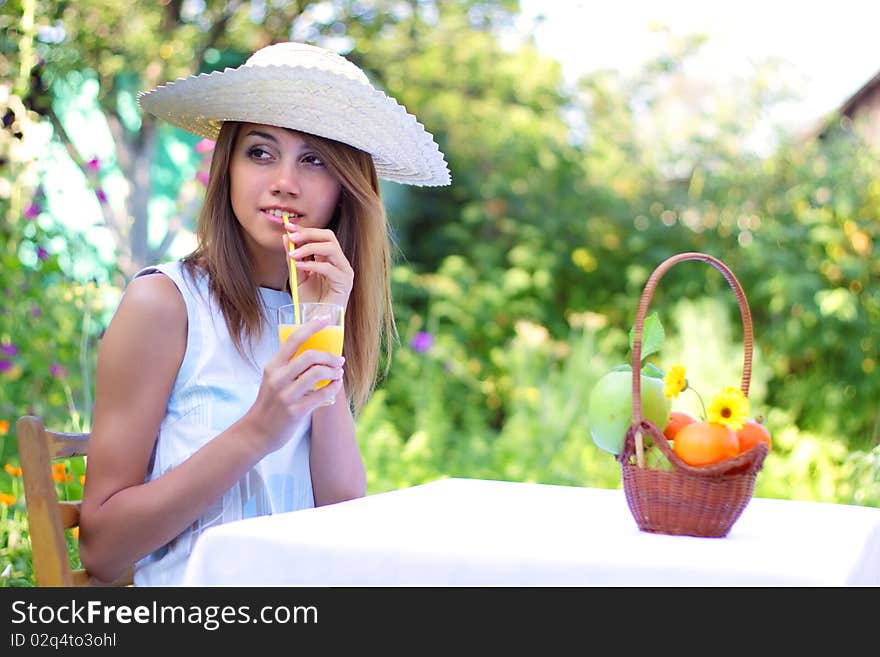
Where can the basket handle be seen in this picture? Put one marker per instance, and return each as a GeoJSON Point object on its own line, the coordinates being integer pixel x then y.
{"type": "Point", "coordinates": [648, 292]}
{"type": "Point", "coordinates": [639, 423]}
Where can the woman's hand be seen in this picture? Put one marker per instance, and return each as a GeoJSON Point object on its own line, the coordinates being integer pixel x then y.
{"type": "Point", "coordinates": [323, 271]}
{"type": "Point", "coordinates": [286, 396]}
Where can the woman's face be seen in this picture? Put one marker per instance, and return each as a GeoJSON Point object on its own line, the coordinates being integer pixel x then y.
{"type": "Point", "coordinates": [275, 170]}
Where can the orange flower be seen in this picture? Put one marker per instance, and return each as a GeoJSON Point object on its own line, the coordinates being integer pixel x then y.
{"type": "Point", "coordinates": [4, 427]}
{"type": "Point", "coordinates": [82, 480]}
{"type": "Point", "coordinates": [6, 499]}
{"type": "Point", "coordinates": [11, 469]}
{"type": "Point", "coordinates": [75, 532]}
{"type": "Point", "coordinates": [59, 473]}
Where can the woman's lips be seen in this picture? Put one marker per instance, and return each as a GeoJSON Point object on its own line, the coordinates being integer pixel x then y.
{"type": "Point", "coordinates": [271, 217]}
{"type": "Point", "coordinates": [278, 218]}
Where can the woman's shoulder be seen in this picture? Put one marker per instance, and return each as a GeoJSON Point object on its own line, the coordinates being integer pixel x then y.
{"type": "Point", "coordinates": [154, 294]}
{"type": "Point", "coordinates": [182, 273]}
{"type": "Point", "coordinates": [149, 326]}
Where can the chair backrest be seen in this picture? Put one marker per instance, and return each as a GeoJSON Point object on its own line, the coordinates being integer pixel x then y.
{"type": "Point", "coordinates": [48, 517]}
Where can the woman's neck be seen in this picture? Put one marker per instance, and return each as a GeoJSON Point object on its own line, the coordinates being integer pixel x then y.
{"type": "Point", "coordinates": [271, 273]}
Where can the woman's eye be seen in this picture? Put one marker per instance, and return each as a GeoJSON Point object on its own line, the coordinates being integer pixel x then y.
{"type": "Point", "coordinates": [258, 153]}
{"type": "Point", "coordinates": [314, 160]}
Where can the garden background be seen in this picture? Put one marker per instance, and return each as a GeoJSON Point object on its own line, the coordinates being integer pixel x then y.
{"type": "Point", "coordinates": [515, 288]}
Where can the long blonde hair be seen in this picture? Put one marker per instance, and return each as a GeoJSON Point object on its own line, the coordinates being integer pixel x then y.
{"type": "Point", "coordinates": [361, 227]}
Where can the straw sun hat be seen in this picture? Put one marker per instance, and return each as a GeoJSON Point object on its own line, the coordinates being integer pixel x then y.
{"type": "Point", "coordinates": [310, 89]}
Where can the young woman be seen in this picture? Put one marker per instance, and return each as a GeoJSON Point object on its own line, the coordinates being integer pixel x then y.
{"type": "Point", "coordinates": [200, 417]}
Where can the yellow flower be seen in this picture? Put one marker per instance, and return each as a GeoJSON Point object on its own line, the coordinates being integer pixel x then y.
{"type": "Point", "coordinates": [6, 499]}
{"type": "Point", "coordinates": [674, 381]}
{"type": "Point", "coordinates": [731, 408]}
{"type": "Point", "coordinates": [75, 532]}
{"type": "Point", "coordinates": [13, 470]}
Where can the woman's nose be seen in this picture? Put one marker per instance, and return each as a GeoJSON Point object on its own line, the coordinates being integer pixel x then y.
{"type": "Point", "coordinates": [286, 182]}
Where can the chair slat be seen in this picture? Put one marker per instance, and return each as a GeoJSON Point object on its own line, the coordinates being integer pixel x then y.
{"type": "Point", "coordinates": [48, 518]}
{"type": "Point", "coordinates": [81, 578]}
{"type": "Point", "coordinates": [67, 445]}
{"type": "Point", "coordinates": [69, 514]}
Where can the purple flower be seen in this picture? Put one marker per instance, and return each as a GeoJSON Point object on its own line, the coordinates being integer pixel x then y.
{"type": "Point", "coordinates": [204, 146]}
{"type": "Point", "coordinates": [421, 342]}
{"type": "Point", "coordinates": [36, 311]}
{"type": "Point", "coordinates": [9, 349]}
{"type": "Point", "coordinates": [58, 371]}
{"type": "Point", "coordinates": [5, 365]}
{"type": "Point", "coordinates": [42, 253]}
{"type": "Point", "coordinates": [102, 197]}
{"type": "Point", "coordinates": [93, 165]}
{"type": "Point", "coordinates": [202, 177]}
{"type": "Point", "coordinates": [32, 211]}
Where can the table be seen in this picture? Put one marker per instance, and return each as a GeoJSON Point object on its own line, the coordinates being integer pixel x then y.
{"type": "Point", "coordinates": [468, 532]}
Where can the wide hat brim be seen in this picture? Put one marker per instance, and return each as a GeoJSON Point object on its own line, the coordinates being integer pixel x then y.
{"type": "Point", "coordinates": [309, 100]}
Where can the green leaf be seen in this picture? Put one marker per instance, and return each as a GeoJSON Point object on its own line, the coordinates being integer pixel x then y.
{"type": "Point", "coordinates": [653, 336]}
{"type": "Point", "coordinates": [649, 369]}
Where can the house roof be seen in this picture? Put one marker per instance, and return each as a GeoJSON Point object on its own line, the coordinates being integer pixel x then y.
{"type": "Point", "coordinates": [847, 109]}
{"type": "Point", "coordinates": [850, 106]}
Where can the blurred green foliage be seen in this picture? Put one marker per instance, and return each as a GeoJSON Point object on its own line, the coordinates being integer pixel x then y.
{"type": "Point", "coordinates": [515, 288]}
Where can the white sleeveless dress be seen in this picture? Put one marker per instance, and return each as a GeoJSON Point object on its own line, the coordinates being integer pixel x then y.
{"type": "Point", "coordinates": [215, 386]}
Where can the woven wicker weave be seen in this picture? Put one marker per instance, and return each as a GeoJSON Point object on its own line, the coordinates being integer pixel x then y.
{"type": "Point", "coordinates": [688, 500]}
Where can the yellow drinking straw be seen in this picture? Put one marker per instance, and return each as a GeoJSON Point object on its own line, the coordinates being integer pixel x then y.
{"type": "Point", "coordinates": [294, 291]}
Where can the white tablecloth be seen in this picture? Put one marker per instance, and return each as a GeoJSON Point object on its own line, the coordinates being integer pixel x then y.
{"type": "Point", "coordinates": [467, 532]}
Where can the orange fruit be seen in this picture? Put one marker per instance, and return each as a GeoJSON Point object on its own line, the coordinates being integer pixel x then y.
{"type": "Point", "coordinates": [752, 433]}
{"type": "Point", "coordinates": [677, 421]}
{"type": "Point", "coordinates": [702, 443]}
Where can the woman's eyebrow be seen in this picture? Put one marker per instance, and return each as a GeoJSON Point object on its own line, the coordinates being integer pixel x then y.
{"type": "Point", "coordinates": [264, 135]}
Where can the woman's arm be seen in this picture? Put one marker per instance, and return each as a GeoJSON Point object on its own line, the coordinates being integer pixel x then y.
{"type": "Point", "coordinates": [123, 518]}
{"type": "Point", "coordinates": [335, 458]}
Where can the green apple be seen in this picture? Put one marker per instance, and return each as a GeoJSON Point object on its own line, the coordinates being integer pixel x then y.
{"type": "Point", "coordinates": [610, 407]}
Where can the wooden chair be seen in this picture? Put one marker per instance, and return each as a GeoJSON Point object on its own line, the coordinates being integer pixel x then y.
{"type": "Point", "coordinates": [48, 517]}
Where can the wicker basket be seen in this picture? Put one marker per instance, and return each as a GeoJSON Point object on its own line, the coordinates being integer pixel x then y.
{"type": "Point", "coordinates": [688, 500]}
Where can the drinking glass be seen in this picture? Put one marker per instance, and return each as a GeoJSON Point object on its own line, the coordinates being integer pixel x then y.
{"type": "Point", "coordinates": [329, 338]}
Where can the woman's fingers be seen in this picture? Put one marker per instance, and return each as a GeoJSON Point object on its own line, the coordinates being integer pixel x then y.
{"type": "Point", "coordinates": [312, 366]}
{"type": "Point", "coordinates": [296, 340]}
{"type": "Point", "coordinates": [318, 258]}
{"type": "Point", "coordinates": [302, 396]}
{"type": "Point", "coordinates": [304, 393]}
{"type": "Point", "coordinates": [284, 399]}
{"type": "Point", "coordinates": [329, 251]}
{"type": "Point", "coordinates": [340, 281]}
{"type": "Point", "coordinates": [320, 245]}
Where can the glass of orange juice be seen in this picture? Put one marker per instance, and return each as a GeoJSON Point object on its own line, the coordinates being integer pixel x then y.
{"type": "Point", "coordinates": [328, 338]}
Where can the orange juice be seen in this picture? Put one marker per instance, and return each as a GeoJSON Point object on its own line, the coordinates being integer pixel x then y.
{"type": "Point", "coordinates": [328, 339]}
